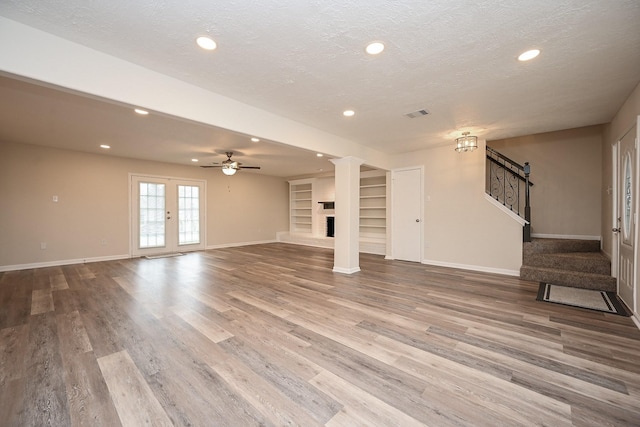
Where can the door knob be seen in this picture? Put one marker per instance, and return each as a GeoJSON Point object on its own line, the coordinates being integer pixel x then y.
{"type": "Point", "coordinates": [417, 220]}
{"type": "Point", "coordinates": [616, 230]}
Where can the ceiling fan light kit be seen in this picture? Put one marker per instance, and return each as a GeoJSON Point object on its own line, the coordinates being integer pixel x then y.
{"type": "Point", "coordinates": [228, 170]}
{"type": "Point", "coordinates": [230, 167]}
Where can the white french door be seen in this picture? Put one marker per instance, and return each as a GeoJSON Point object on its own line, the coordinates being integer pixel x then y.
{"type": "Point", "coordinates": [626, 227]}
{"type": "Point", "coordinates": [167, 215]}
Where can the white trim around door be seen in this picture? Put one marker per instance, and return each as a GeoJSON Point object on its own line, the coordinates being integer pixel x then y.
{"type": "Point", "coordinates": [626, 204]}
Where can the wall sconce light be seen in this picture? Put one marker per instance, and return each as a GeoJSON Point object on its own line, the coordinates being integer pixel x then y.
{"type": "Point", "coordinates": [466, 142]}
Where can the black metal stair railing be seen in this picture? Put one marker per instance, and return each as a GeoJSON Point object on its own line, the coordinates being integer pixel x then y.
{"type": "Point", "coordinates": [508, 183]}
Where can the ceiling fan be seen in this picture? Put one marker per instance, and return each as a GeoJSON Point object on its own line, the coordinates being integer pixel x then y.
{"type": "Point", "coordinates": [230, 167]}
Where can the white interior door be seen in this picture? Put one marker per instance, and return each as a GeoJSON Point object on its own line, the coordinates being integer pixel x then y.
{"type": "Point", "coordinates": [167, 215]}
{"type": "Point", "coordinates": [406, 216]}
{"type": "Point", "coordinates": [626, 193]}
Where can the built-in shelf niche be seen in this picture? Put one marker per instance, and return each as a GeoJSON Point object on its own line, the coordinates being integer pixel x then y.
{"type": "Point", "coordinates": [312, 202]}
{"type": "Point", "coordinates": [373, 206]}
{"type": "Point", "coordinates": [301, 207]}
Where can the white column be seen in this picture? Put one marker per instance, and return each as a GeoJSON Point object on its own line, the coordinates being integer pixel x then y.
{"type": "Point", "coordinates": [346, 256]}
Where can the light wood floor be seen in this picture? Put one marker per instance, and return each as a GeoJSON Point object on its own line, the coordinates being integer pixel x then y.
{"type": "Point", "coordinates": [268, 335]}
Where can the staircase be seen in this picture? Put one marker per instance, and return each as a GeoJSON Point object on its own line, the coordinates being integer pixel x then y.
{"type": "Point", "coordinates": [575, 263]}
{"type": "Point", "coordinates": [565, 262]}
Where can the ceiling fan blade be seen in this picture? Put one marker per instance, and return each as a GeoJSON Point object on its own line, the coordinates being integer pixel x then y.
{"type": "Point", "coordinates": [230, 164]}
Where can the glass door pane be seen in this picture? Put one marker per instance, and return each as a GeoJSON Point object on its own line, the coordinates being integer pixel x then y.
{"type": "Point", "coordinates": [188, 214]}
{"type": "Point", "coordinates": [152, 225]}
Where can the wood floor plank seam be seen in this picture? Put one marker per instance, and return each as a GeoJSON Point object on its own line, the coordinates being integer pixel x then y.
{"type": "Point", "coordinates": [542, 362]}
{"type": "Point", "coordinates": [554, 380]}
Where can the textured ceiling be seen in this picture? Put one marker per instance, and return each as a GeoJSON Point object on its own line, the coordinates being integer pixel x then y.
{"type": "Point", "coordinates": [305, 60]}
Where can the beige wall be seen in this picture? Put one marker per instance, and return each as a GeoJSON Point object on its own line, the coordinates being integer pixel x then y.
{"type": "Point", "coordinates": [621, 123]}
{"type": "Point", "coordinates": [566, 168]}
{"type": "Point", "coordinates": [461, 227]}
{"type": "Point", "coordinates": [94, 204]}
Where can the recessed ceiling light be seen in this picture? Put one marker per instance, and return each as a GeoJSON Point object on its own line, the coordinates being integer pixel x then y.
{"type": "Point", "coordinates": [348, 113]}
{"type": "Point", "coordinates": [105, 146]}
{"type": "Point", "coordinates": [206, 43]}
{"type": "Point", "coordinates": [255, 139]}
{"type": "Point", "coordinates": [141, 111]}
{"type": "Point", "coordinates": [194, 160]}
{"type": "Point", "coordinates": [319, 155]}
{"type": "Point", "coordinates": [530, 54]}
{"type": "Point", "coordinates": [374, 48]}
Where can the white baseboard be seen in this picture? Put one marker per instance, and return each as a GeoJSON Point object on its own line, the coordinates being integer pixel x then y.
{"type": "Point", "coordinates": [371, 252]}
{"type": "Point", "coordinates": [235, 245]}
{"type": "Point", "coordinates": [305, 240]}
{"type": "Point", "coordinates": [307, 244]}
{"type": "Point", "coordinates": [565, 236]}
{"type": "Point", "coordinates": [480, 268]}
{"type": "Point", "coordinates": [346, 270]}
{"type": "Point", "coordinates": [61, 262]}
{"type": "Point", "coordinates": [367, 246]}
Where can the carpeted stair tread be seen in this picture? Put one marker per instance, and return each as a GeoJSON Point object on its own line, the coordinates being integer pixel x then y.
{"type": "Point", "coordinates": [561, 245]}
{"type": "Point", "coordinates": [568, 278]}
{"type": "Point", "coordinates": [588, 262]}
{"type": "Point", "coordinates": [567, 262]}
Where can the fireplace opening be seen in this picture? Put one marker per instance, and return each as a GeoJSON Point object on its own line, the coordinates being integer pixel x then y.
{"type": "Point", "coordinates": [331, 222]}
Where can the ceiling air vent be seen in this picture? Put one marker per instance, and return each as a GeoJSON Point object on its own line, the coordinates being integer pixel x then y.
{"type": "Point", "coordinates": [418, 113]}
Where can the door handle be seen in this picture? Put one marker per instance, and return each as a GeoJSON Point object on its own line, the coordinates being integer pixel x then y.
{"type": "Point", "coordinates": [616, 230]}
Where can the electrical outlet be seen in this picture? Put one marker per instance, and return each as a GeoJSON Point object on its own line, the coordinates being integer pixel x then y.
{"type": "Point", "coordinates": [43, 245]}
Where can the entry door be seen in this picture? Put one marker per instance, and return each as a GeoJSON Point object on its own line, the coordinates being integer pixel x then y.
{"type": "Point", "coordinates": [406, 214]}
{"type": "Point", "coordinates": [167, 215]}
{"type": "Point", "coordinates": [627, 216]}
